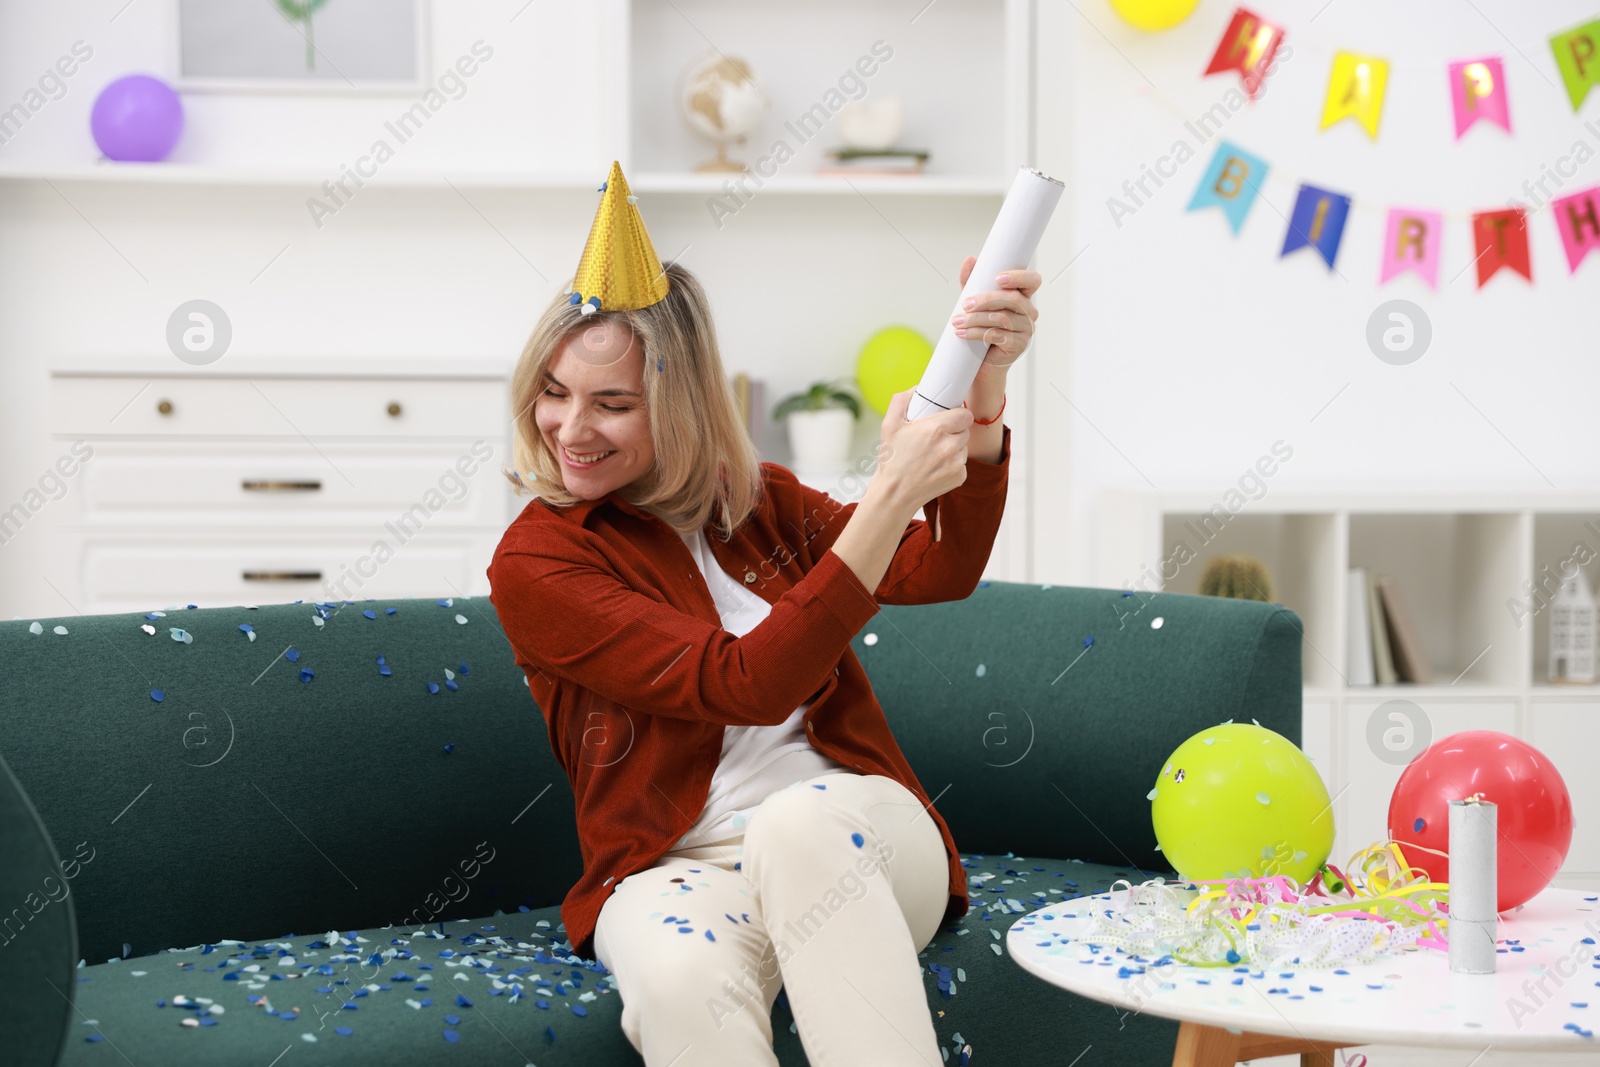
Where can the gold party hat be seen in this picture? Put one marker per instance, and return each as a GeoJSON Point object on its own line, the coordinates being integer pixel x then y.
{"type": "Point", "coordinates": [619, 270]}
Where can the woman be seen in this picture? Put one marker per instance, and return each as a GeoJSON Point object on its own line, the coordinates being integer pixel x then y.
{"type": "Point", "coordinates": [683, 614]}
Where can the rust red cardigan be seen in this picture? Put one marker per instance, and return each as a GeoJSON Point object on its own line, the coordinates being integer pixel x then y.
{"type": "Point", "coordinates": [624, 652]}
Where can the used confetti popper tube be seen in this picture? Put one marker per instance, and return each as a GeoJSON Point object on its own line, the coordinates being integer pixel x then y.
{"type": "Point", "coordinates": [1473, 888]}
{"type": "Point", "coordinates": [1010, 245]}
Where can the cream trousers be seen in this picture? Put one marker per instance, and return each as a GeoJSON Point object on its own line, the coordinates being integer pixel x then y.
{"type": "Point", "coordinates": [833, 888]}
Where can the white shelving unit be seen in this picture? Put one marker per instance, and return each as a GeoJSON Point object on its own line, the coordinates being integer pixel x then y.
{"type": "Point", "coordinates": [1466, 565]}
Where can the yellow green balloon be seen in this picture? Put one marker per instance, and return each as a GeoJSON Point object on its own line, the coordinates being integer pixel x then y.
{"type": "Point", "coordinates": [1154, 14]}
{"type": "Point", "coordinates": [1239, 800]}
{"type": "Point", "coordinates": [891, 362]}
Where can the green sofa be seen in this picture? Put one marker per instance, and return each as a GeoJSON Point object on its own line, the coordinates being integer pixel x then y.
{"type": "Point", "coordinates": [348, 832]}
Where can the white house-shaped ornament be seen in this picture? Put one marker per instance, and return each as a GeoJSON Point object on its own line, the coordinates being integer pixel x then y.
{"type": "Point", "coordinates": [1572, 630]}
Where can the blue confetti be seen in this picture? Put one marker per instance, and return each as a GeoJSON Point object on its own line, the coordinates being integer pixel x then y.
{"type": "Point", "coordinates": [451, 1036]}
{"type": "Point", "coordinates": [449, 749]}
{"type": "Point", "coordinates": [244, 628]}
{"type": "Point", "coordinates": [462, 1002]}
{"type": "Point", "coordinates": [816, 786]}
{"type": "Point", "coordinates": [858, 839]}
{"type": "Point", "coordinates": [390, 611]}
{"type": "Point", "coordinates": [343, 1031]}
{"type": "Point", "coordinates": [94, 1037]}
{"type": "Point", "coordinates": [461, 668]}
{"type": "Point", "coordinates": [453, 1020]}
{"type": "Point", "coordinates": [579, 1010]}
{"type": "Point", "coordinates": [433, 687]}
{"type": "Point", "coordinates": [292, 655]}
{"type": "Point", "coordinates": [157, 695]}
{"type": "Point", "coordinates": [306, 674]}
{"type": "Point", "coordinates": [1087, 641]}
{"type": "Point", "coordinates": [710, 936]}
{"type": "Point", "coordinates": [369, 613]}
{"type": "Point", "coordinates": [1417, 825]}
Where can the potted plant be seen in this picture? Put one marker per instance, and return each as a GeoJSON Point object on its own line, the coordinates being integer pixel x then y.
{"type": "Point", "coordinates": [821, 424]}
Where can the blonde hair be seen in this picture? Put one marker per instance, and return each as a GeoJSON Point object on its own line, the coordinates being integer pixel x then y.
{"type": "Point", "coordinates": [705, 463]}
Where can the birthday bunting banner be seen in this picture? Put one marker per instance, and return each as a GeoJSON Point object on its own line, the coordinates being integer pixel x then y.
{"type": "Point", "coordinates": [1357, 83]}
{"type": "Point", "coordinates": [1413, 237]}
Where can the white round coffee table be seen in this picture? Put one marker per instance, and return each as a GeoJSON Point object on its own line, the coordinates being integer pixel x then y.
{"type": "Point", "coordinates": [1544, 995]}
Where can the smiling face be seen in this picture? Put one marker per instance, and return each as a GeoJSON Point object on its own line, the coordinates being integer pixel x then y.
{"type": "Point", "coordinates": [592, 403]}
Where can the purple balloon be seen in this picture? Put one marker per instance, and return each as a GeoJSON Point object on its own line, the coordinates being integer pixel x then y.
{"type": "Point", "coordinates": [137, 117]}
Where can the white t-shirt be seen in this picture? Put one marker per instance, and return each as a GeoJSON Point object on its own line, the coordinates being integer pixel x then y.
{"type": "Point", "coordinates": [756, 760]}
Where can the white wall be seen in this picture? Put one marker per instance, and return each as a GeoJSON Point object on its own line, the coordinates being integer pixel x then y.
{"type": "Point", "coordinates": [1190, 351]}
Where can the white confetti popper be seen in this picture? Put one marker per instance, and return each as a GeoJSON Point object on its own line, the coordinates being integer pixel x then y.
{"type": "Point", "coordinates": [1010, 245]}
{"type": "Point", "coordinates": [1473, 885]}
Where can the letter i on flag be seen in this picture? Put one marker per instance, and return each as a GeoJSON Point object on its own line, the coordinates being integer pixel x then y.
{"type": "Point", "coordinates": [1231, 183]}
{"type": "Point", "coordinates": [1578, 56]}
{"type": "Point", "coordinates": [1247, 46]}
{"type": "Point", "coordinates": [1411, 242]}
{"type": "Point", "coordinates": [1355, 88]}
{"type": "Point", "coordinates": [1318, 221]}
{"type": "Point", "coordinates": [1478, 91]}
{"type": "Point", "coordinates": [1578, 219]}
{"type": "Point", "coordinates": [1500, 239]}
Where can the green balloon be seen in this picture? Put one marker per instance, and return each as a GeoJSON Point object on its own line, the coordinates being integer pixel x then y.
{"type": "Point", "coordinates": [891, 362]}
{"type": "Point", "coordinates": [1239, 800]}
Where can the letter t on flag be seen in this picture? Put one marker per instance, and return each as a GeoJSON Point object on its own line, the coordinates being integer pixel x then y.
{"type": "Point", "coordinates": [1247, 46]}
{"type": "Point", "coordinates": [1318, 221]}
{"type": "Point", "coordinates": [1578, 219]}
{"type": "Point", "coordinates": [1411, 242]}
{"type": "Point", "coordinates": [1500, 239]}
{"type": "Point", "coordinates": [1231, 183]}
{"type": "Point", "coordinates": [1578, 57]}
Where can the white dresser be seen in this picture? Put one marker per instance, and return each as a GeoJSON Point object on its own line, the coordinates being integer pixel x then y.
{"type": "Point", "coordinates": [260, 480]}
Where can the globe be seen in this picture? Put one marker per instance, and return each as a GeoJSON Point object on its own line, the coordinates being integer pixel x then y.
{"type": "Point", "coordinates": [722, 102]}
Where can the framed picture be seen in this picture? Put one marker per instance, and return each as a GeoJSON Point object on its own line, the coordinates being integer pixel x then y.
{"type": "Point", "coordinates": [329, 46]}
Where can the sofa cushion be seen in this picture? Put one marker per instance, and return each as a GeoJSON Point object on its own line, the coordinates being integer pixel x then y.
{"type": "Point", "coordinates": [407, 1006]}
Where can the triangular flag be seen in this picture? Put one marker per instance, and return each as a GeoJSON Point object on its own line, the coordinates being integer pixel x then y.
{"type": "Point", "coordinates": [1478, 91]}
{"type": "Point", "coordinates": [1231, 183]}
{"type": "Point", "coordinates": [1247, 46]}
{"type": "Point", "coordinates": [1500, 239]}
{"type": "Point", "coordinates": [1318, 221]}
{"type": "Point", "coordinates": [1355, 88]}
{"type": "Point", "coordinates": [1578, 57]}
{"type": "Point", "coordinates": [1578, 220]}
{"type": "Point", "coordinates": [1411, 242]}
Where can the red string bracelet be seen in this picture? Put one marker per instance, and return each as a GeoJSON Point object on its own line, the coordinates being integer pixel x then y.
{"type": "Point", "coordinates": [988, 422]}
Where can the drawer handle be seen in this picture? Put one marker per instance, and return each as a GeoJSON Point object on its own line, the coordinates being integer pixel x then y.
{"type": "Point", "coordinates": [281, 576]}
{"type": "Point", "coordinates": [165, 407]}
{"type": "Point", "coordinates": [394, 408]}
{"type": "Point", "coordinates": [262, 486]}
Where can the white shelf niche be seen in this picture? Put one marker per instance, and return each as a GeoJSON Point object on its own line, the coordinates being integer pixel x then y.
{"type": "Point", "coordinates": [1455, 572]}
{"type": "Point", "coordinates": [1558, 537]}
{"type": "Point", "coordinates": [1300, 553]}
{"type": "Point", "coordinates": [961, 66]}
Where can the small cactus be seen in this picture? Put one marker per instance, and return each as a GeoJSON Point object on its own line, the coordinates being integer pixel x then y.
{"type": "Point", "coordinates": [1236, 575]}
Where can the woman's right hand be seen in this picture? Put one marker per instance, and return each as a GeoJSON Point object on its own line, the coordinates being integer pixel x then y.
{"type": "Point", "coordinates": [926, 458]}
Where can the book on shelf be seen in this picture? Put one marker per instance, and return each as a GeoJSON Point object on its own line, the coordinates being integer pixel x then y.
{"type": "Point", "coordinates": [1410, 661]}
{"type": "Point", "coordinates": [1382, 654]}
{"type": "Point", "coordinates": [1358, 630]}
{"type": "Point", "coordinates": [847, 161]}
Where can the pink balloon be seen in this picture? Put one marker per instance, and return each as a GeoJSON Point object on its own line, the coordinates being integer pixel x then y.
{"type": "Point", "coordinates": [1533, 809]}
{"type": "Point", "coordinates": [136, 118]}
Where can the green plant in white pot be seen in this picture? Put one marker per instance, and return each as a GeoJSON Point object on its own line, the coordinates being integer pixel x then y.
{"type": "Point", "coordinates": [821, 423]}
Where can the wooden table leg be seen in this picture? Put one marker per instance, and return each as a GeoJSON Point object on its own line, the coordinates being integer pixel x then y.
{"type": "Point", "coordinates": [1212, 1046]}
{"type": "Point", "coordinates": [1205, 1046]}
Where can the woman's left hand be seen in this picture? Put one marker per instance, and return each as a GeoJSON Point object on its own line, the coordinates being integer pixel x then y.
{"type": "Point", "coordinates": [1003, 317]}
